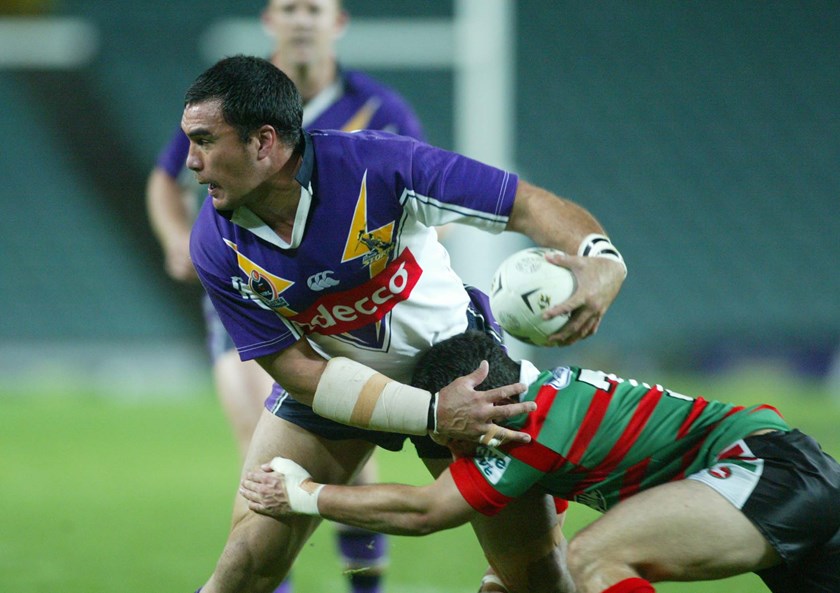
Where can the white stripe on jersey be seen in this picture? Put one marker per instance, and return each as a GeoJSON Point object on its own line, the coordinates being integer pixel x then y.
{"type": "Point", "coordinates": [433, 212]}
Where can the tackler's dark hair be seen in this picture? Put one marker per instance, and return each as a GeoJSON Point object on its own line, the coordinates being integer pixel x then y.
{"type": "Point", "coordinates": [460, 355]}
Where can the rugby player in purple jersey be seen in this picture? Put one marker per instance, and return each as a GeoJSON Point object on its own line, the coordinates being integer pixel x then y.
{"type": "Point", "coordinates": [305, 34]}
{"type": "Point", "coordinates": [318, 251]}
{"type": "Point", "coordinates": [691, 489]}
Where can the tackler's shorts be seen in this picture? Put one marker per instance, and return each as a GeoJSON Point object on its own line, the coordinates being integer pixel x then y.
{"type": "Point", "coordinates": [790, 489]}
{"type": "Point", "coordinates": [283, 405]}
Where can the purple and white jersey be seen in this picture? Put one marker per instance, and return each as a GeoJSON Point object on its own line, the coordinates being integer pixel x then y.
{"type": "Point", "coordinates": [363, 275]}
{"type": "Point", "coordinates": [354, 102]}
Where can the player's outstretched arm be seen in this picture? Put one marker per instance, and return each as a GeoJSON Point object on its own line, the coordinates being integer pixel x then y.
{"type": "Point", "coordinates": [354, 394]}
{"type": "Point", "coordinates": [283, 488]}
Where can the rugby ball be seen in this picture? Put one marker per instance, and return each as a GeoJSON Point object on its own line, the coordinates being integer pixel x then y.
{"type": "Point", "coordinates": [523, 287]}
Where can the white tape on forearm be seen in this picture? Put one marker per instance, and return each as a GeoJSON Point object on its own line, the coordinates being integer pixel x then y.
{"type": "Point", "coordinates": [353, 394]}
{"type": "Point", "coordinates": [595, 245]}
{"type": "Point", "coordinates": [301, 491]}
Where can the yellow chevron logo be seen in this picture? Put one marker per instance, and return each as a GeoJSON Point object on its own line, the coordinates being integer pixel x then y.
{"type": "Point", "coordinates": [262, 283]}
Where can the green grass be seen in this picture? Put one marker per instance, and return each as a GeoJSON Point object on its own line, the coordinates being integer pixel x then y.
{"type": "Point", "coordinates": [102, 495]}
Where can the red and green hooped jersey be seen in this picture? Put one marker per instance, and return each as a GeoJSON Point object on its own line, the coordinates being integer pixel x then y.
{"type": "Point", "coordinates": [598, 439]}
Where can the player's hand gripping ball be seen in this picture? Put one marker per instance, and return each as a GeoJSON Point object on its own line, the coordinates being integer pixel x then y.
{"type": "Point", "coordinates": [523, 287]}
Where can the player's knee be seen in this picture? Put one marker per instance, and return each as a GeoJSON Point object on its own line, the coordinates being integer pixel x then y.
{"type": "Point", "coordinates": [240, 568]}
{"type": "Point", "coordinates": [576, 559]}
{"type": "Point", "coordinates": [585, 557]}
{"type": "Point", "coordinates": [233, 577]}
{"type": "Point", "coordinates": [590, 557]}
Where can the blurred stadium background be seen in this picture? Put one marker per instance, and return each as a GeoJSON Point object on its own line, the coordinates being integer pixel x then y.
{"type": "Point", "coordinates": [705, 136]}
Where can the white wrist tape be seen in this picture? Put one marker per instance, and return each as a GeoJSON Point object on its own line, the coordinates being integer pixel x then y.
{"type": "Point", "coordinates": [595, 245]}
{"type": "Point", "coordinates": [302, 492]}
{"type": "Point", "coordinates": [351, 393]}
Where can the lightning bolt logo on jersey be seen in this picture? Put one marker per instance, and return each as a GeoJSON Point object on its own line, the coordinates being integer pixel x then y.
{"type": "Point", "coordinates": [373, 246]}
{"type": "Point", "coordinates": [363, 274]}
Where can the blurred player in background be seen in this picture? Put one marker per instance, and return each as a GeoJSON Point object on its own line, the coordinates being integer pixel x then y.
{"type": "Point", "coordinates": [305, 32]}
{"type": "Point", "coordinates": [691, 489]}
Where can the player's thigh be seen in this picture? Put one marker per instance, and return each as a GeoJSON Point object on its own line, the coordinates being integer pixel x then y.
{"type": "Point", "coordinates": [521, 544]}
{"type": "Point", "coordinates": [677, 531]}
{"type": "Point", "coordinates": [332, 462]}
{"type": "Point", "coordinates": [328, 461]}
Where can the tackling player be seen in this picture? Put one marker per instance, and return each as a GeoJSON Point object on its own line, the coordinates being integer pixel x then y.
{"type": "Point", "coordinates": [692, 489]}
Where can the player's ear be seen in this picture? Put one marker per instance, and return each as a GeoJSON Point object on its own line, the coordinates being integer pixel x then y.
{"type": "Point", "coordinates": [267, 139]}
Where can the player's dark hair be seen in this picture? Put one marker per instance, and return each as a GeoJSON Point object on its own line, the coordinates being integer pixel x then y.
{"type": "Point", "coordinates": [253, 92]}
{"type": "Point", "coordinates": [460, 355]}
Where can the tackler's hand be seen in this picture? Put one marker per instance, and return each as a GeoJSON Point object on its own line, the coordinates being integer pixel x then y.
{"type": "Point", "coordinates": [279, 489]}
{"type": "Point", "coordinates": [466, 413]}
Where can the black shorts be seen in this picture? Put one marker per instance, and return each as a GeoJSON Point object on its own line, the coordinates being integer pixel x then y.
{"type": "Point", "coordinates": [796, 505]}
{"type": "Point", "coordinates": [283, 405]}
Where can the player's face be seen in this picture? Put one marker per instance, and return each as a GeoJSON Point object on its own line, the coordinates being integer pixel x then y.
{"type": "Point", "coordinates": [218, 157]}
{"type": "Point", "coordinates": [305, 30]}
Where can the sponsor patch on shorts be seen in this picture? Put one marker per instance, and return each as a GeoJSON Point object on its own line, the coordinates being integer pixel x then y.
{"type": "Point", "coordinates": [735, 476]}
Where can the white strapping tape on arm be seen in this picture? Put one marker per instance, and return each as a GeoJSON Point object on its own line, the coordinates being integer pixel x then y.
{"type": "Point", "coordinates": [353, 394]}
{"type": "Point", "coordinates": [597, 245]}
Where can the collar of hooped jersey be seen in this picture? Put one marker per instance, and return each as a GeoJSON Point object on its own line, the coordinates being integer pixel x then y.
{"type": "Point", "coordinates": [528, 373]}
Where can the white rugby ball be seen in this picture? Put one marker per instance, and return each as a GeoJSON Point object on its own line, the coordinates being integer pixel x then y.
{"type": "Point", "coordinates": [524, 286]}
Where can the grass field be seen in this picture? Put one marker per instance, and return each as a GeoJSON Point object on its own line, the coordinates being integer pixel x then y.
{"type": "Point", "coordinates": [99, 494]}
